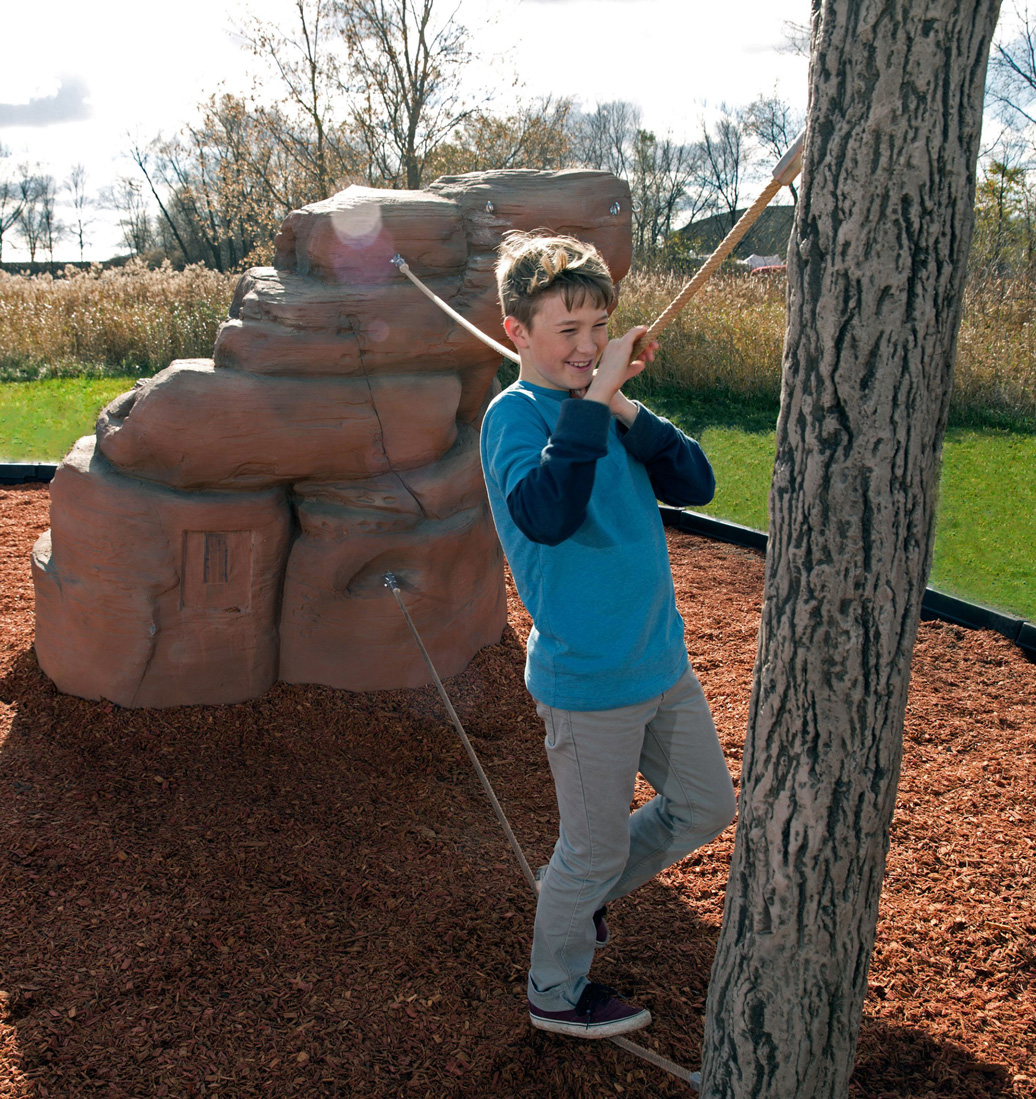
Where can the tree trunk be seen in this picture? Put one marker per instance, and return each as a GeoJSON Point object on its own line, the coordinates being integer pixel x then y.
{"type": "Point", "coordinates": [875, 277]}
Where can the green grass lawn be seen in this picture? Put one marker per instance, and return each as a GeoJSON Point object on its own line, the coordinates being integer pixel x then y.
{"type": "Point", "coordinates": [39, 421]}
{"type": "Point", "coordinates": [985, 537]}
{"type": "Point", "coordinates": [985, 545]}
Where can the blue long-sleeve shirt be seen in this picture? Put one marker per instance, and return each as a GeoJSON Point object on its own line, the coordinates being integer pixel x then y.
{"type": "Point", "coordinates": [574, 497]}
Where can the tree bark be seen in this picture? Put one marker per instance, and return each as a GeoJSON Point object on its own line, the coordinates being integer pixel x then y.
{"type": "Point", "coordinates": [875, 277]}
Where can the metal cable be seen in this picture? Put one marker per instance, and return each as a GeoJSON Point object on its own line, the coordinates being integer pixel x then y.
{"type": "Point", "coordinates": [393, 585]}
{"type": "Point", "coordinates": [692, 1078]}
{"type": "Point", "coordinates": [656, 1059]}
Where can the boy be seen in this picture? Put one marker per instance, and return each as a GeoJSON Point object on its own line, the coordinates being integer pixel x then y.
{"type": "Point", "coordinates": [573, 485]}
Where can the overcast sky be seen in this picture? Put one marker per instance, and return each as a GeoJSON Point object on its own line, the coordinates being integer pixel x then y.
{"type": "Point", "coordinates": [78, 89]}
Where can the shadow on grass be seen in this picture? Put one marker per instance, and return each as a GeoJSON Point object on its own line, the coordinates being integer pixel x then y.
{"type": "Point", "coordinates": [757, 414]}
{"type": "Point", "coordinates": [694, 412]}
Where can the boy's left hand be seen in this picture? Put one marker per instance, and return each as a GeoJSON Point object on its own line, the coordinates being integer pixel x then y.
{"type": "Point", "coordinates": [614, 370]}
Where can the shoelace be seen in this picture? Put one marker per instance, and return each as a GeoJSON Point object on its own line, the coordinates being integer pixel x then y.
{"type": "Point", "coordinates": [594, 996]}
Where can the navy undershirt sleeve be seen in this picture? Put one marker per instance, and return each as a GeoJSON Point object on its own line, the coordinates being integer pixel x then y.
{"type": "Point", "coordinates": [679, 471]}
{"type": "Point", "coordinates": [549, 504]}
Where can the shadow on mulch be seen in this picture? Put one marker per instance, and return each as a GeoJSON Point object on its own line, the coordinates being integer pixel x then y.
{"type": "Point", "coordinates": [302, 895]}
{"type": "Point", "coordinates": [306, 895]}
{"type": "Point", "coordinates": [923, 1067]}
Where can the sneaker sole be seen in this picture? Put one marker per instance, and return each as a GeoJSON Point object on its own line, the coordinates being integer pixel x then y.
{"type": "Point", "coordinates": [598, 1030]}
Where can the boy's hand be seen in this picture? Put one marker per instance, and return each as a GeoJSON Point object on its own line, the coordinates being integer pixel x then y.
{"type": "Point", "coordinates": [615, 369]}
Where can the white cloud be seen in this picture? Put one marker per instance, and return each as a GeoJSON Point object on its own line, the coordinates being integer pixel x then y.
{"type": "Point", "coordinates": [69, 103]}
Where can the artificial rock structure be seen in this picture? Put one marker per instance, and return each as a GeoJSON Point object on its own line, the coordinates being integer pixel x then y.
{"type": "Point", "coordinates": [231, 522]}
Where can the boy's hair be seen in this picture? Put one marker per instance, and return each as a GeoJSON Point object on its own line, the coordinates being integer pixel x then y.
{"type": "Point", "coordinates": [531, 265]}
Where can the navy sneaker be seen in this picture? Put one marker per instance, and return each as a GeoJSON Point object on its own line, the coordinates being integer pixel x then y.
{"type": "Point", "coordinates": [599, 1014]}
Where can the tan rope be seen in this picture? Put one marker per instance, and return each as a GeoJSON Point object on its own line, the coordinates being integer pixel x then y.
{"type": "Point", "coordinates": [726, 246]}
{"type": "Point", "coordinates": [467, 325]}
{"type": "Point", "coordinates": [784, 174]}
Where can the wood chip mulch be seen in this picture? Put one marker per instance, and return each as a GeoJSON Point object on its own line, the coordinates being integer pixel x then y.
{"type": "Point", "coordinates": [309, 895]}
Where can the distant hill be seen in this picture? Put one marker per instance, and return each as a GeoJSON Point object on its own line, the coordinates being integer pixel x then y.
{"type": "Point", "coordinates": [41, 267]}
{"type": "Point", "coordinates": [768, 236]}
{"type": "Point", "coordinates": [57, 267]}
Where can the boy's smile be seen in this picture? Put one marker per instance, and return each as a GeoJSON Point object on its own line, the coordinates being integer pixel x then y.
{"type": "Point", "coordinates": [560, 349]}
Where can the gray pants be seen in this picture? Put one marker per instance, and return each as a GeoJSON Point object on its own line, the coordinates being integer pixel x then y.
{"type": "Point", "coordinates": [603, 852]}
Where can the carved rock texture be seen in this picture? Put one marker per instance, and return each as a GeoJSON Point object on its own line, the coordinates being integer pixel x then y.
{"type": "Point", "coordinates": [276, 430]}
{"type": "Point", "coordinates": [232, 522]}
{"type": "Point", "coordinates": [147, 596]}
{"type": "Point", "coordinates": [430, 530]}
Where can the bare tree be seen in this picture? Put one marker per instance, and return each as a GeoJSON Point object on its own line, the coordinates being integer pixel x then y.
{"type": "Point", "coordinates": [1012, 71]}
{"type": "Point", "coordinates": [796, 39]}
{"type": "Point", "coordinates": [606, 136]}
{"type": "Point", "coordinates": [310, 72]}
{"type": "Point", "coordinates": [725, 159]}
{"type": "Point", "coordinates": [126, 197]}
{"type": "Point", "coordinates": [663, 177]}
{"type": "Point", "coordinates": [223, 185]}
{"type": "Point", "coordinates": [142, 157]}
{"type": "Point", "coordinates": [52, 230]}
{"type": "Point", "coordinates": [10, 196]}
{"type": "Point", "coordinates": [536, 135]}
{"type": "Point", "coordinates": [882, 231]}
{"type": "Point", "coordinates": [406, 58]}
{"type": "Point", "coordinates": [774, 124]}
{"type": "Point", "coordinates": [31, 216]}
{"type": "Point", "coordinates": [81, 202]}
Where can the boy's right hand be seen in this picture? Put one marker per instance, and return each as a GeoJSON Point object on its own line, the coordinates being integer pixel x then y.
{"type": "Point", "coordinates": [615, 369]}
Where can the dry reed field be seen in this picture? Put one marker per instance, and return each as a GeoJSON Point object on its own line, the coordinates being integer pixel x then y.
{"type": "Point", "coordinates": [729, 339]}
{"type": "Point", "coordinates": [307, 895]}
{"type": "Point", "coordinates": [996, 356]}
{"type": "Point", "coordinates": [130, 318]}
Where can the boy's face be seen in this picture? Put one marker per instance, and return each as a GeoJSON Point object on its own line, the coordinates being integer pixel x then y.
{"type": "Point", "coordinates": [561, 346]}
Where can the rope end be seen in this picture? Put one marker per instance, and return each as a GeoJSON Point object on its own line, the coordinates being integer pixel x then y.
{"type": "Point", "coordinates": [789, 166]}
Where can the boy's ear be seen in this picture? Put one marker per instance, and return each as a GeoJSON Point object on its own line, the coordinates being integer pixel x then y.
{"type": "Point", "coordinates": [517, 332]}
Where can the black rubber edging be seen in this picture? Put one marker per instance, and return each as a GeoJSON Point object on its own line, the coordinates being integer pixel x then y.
{"type": "Point", "coordinates": [936, 604]}
{"type": "Point", "coordinates": [21, 473]}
